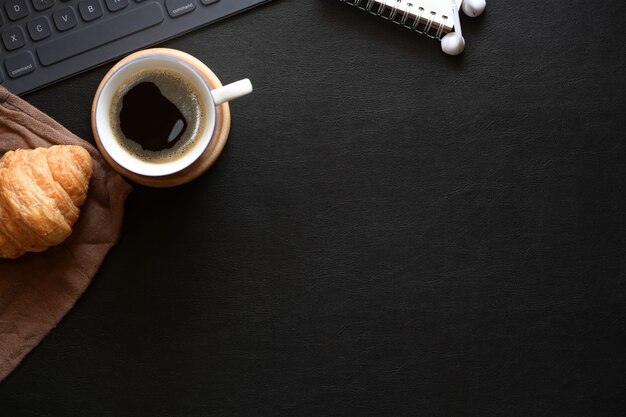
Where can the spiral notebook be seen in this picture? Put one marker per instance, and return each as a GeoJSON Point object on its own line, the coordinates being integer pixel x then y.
{"type": "Point", "coordinates": [428, 17]}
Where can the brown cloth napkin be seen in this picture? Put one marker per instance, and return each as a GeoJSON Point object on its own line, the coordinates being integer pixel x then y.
{"type": "Point", "coordinates": [38, 289]}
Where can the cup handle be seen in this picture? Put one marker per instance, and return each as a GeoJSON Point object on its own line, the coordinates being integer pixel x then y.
{"type": "Point", "coordinates": [231, 91]}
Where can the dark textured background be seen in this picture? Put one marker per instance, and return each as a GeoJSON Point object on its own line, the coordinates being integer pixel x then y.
{"type": "Point", "coordinates": [389, 232]}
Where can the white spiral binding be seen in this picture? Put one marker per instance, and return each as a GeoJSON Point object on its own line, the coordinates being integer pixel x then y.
{"type": "Point", "coordinates": [388, 9]}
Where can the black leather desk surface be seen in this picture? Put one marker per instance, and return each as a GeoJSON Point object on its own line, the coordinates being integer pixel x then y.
{"type": "Point", "coordinates": [389, 232]}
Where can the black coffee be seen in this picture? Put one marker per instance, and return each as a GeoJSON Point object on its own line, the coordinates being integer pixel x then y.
{"type": "Point", "coordinates": [157, 115]}
{"type": "Point", "coordinates": [150, 119]}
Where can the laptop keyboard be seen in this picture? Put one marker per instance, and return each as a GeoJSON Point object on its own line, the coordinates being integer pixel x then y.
{"type": "Point", "coordinates": [43, 41]}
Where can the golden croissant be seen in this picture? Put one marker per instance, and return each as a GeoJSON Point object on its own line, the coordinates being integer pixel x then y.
{"type": "Point", "coordinates": [41, 191]}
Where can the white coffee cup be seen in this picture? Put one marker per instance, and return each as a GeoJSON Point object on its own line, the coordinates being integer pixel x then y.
{"type": "Point", "coordinates": [188, 68]}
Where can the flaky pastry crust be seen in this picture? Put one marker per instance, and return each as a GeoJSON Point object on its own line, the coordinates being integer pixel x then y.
{"type": "Point", "coordinates": [41, 191]}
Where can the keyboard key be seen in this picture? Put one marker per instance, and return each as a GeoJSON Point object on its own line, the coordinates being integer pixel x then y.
{"type": "Point", "coordinates": [99, 33]}
{"type": "Point", "coordinates": [115, 5]}
{"type": "Point", "coordinates": [207, 2]}
{"type": "Point", "coordinates": [13, 38]}
{"type": "Point", "coordinates": [179, 7]}
{"type": "Point", "coordinates": [90, 10]}
{"type": "Point", "coordinates": [20, 64]}
{"type": "Point", "coordinates": [39, 28]}
{"type": "Point", "coordinates": [16, 9]}
{"type": "Point", "coordinates": [64, 18]}
{"type": "Point", "coordinates": [40, 5]}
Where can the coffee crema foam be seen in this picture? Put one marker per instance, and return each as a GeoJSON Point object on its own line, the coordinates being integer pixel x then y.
{"type": "Point", "coordinates": [181, 93]}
